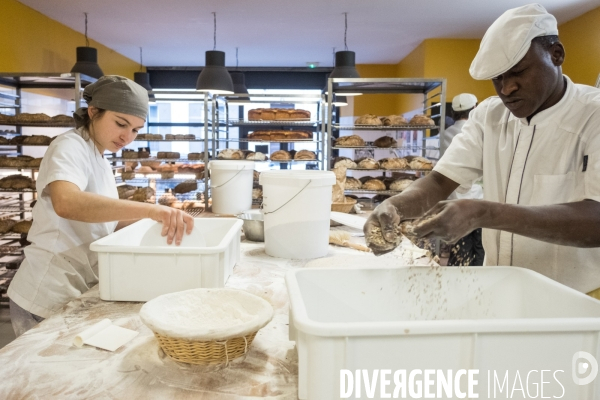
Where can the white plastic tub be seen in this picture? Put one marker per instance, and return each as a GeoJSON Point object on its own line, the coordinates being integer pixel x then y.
{"type": "Point", "coordinates": [496, 319]}
{"type": "Point", "coordinates": [231, 186]}
{"type": "Point", "coordinates": [136, 264]}
{"type": "Point", "coordinates": [296, 208]}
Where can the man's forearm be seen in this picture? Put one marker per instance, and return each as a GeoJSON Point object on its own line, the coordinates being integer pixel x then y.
{"type": "Point", "coordinates": [572, 224]}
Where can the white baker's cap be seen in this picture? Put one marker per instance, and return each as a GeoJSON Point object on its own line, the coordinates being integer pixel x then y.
{"type": "Point", "coordinates": [508, 39]}
{"type": "Point", "coordinates": [464, 101]}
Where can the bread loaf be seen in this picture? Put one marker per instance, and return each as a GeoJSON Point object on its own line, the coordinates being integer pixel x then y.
{"type": "Point", "coordinates": [343, 162]}
{"type": "Point", "coordinates": [352, 183]}
{"type": "Point", "coordinates": [195, 156]}
{"type": "Point", "coordinates": [22, 227]}
{"type": "Point", "coordinates": [385, 141]}
{"type": "Point", "coordinates": [368, 119]}
{"type": "Point", "coordinates": [281, 155]}
{"type": "Point", "coordinates": [374, 184]}
{"type": "Point", "coordinates": [421, 119]}
{"type": "Point", "coordinates": [421, 163]}
{"type": "Point", "coordinates": [230, 154]}
{"type": "Point", "coordinates": [367, 163]}
{"type": "Point", "coordinates": [400, 184]}
{"type": "Point", "coordinates": [393, 163]}
{"type": "Point", "coordinates": [350, 141]}
{"type": "Point", "coordinates": [305, 155]}
{"type": "Point", "coordinates": [394, 120]}
{"type": "Point", "coordinates": [258, 156]}
{"type": "Point", "coordinates": [185, 187]}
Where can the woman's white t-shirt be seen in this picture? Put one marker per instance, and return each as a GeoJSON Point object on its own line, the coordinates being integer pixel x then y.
{"type": "Point", "coordinates": [59, 265]}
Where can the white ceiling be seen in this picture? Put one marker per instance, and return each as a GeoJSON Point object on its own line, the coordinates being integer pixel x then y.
{"type": "Point", "coordinates": [285, 33]}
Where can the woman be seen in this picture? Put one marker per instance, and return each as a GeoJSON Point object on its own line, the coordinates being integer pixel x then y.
{"type": "Point", "coordinates": [78, 203]}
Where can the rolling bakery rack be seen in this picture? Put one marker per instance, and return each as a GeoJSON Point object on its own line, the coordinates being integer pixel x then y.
{"type": "Point", "coordinates": [16, 97]}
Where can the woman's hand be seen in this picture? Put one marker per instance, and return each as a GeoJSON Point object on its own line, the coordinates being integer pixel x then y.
{"type": "Point", "coordinates": [385, 219]}
{"type": "Point", "coordinates": [174, 221]}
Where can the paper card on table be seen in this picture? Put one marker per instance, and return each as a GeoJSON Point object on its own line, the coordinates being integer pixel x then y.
{"type": "Point", "coordinates": [105, 335]}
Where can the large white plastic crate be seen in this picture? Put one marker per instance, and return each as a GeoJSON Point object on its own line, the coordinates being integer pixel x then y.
{"type": "Point", "coordinates": [504, 320]}
{"type": "Point", "coordinates": [136, 264]}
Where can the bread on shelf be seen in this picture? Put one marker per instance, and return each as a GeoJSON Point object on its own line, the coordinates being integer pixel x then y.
{"type": "Point", "coordinates": [171, 155]}
{"type": "Point", "coordinates": [400, 184]}
{"type": "Point", "coordinates": [167, 199]}
{"type": "Point", "coordinates": [230, 154]}
{"type": "Point", "coordinates": [343, 162]}
{"type": "Point", "coordinates": [7, 119]}
{"type": "Point", "coordinates": [393, 163]}
{"type": "Point", "coordinates": [26, 118]}
{"type": "Point", "coordinates": [195, 156]}
{"type": "Point", "coordinates": [256, 156]}
{"type": "Point", "coordinates": [305, 155]}
{"type": "Point", "coordinates": [186, 187]}
{"type": "Point", "coordinates": [143, 194]}
{"type": "Point", "coordinates": [368, 120]}
{"type": "Point", "coordinates": [151, 164]}
{"type": "Point", "coordinates": [17, 182]}
{"type": "Point", "coordinates": [22, 227]}
{"type": "Point", "coordinates": [277, 114]}
{"type": "Point", "coordinates": [421, 163]}
{"type": "Point", "coordinates": [352, 183]}
{"type": "Point", "coordinates": [394, 120]}
{"type": "Point", "coordinates": [6, 225]}
{"type": "Point", "coordinates": [385, 141]}
{"type": "Point", "coordinates": [126, 191]}
{"type": "Point", "coordinates": [256, 193]}
{"type": "Point", "coordinates": [349, 141]}
{"type": "Point", "coordinates": [4, 141]}
{"type": "Point", "coordinates": [374, 184]}
{"type": "Point", "coordinates": [145, 170]}
{"type": "Point", "coordinates": [276, 135]}
{"type": "Point", "coordinates": [367, 163]}
{"type": "Point", "coordinates": [129, 154]}
{"type": "Point", "coordinates": [281, 155]}
{"type": "Point", "coordinates": [37, 139]}
{"type": "Point", "coordinates": [421, 119]}
{"type": "Point", "coordinates": [143, 152]}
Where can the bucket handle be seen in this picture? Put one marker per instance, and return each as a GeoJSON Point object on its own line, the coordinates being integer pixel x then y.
{"type": "Point", "coordinates": [284, 204]}
{"type": "Point", "coordinates": [229, 180]}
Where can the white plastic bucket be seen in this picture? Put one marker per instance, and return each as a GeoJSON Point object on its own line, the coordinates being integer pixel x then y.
{"type": "Point", "coordinates": [296, 208]}
{"type": "Point", "coordinates": [231, 186]}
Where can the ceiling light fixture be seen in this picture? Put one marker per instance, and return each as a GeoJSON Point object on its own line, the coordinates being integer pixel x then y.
{"type": "Point", "coordinates": [87, 58]}
{"type": "Point", "coordinates": [214, 77]}
{"type": "Point", "coordinates": [345, 66]}
{"type": "Point", "coordinates": [238, 78]}
{"type": "Point", "coordinates": [143, 79]}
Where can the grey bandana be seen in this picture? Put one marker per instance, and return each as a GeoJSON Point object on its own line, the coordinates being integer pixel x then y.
{"type": "Point", "coordinates": [114, 93]}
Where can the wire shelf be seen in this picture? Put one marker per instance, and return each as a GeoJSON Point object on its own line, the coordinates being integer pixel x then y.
{"type": "Point", "coordinates": [371, 147]}
{"type": "Point", "coordinates": [38, 124]}
{"type": "Point", "coordinates": [26, 190]}
{"type": "Point", "coordinates": [385, 128]}
{"type": "Point", "coordinates": [175, 160]}
{"type": "Point", "coordinates": [170, 140]}
{"type": "Point", "coordinates": [366, 191]}
{"type": "Point", "coordinates": [244, 140]}
{"type": "Point", "coordinates": [305, 123]}
{"type": "Point", "coordinates": [144, 181]}
{"type": "Point", "coordinates": [393, 169]}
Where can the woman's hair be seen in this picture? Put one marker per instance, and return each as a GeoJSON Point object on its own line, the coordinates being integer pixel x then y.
{"type": "Point", "coordinates": [87, 122]}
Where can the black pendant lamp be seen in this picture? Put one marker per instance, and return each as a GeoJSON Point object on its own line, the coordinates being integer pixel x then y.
{"type": "Point", "coordinates": [345, 65]}
{"type": "Point", "coordinates": [87, 59]}
{"type": "Point", "coordinates": [214, 77]}
{"type": "Point", "coordinates": [143, 79]}
{"type": "Point", "coordinates": [238, 78]}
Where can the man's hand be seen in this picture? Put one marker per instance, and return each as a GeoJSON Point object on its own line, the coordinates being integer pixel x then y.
{"type": "Point", "coordinates": [450, 220]}
{"type": "Point", "coordinates": [174, 221]}
{"type": "Point", "coordinates": [381, 229]}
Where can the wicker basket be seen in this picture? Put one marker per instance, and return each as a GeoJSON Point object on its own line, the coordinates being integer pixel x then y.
{"type": "Point", "coordinates": [344, 207]}
{"type": "Point", "coordinates": [184, 323]}
{"type": "Point", "coordinates": [205, 353]}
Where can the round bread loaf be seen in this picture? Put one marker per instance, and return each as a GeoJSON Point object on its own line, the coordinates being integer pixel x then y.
{"type": "Point", "coordinates": [343, 162]}
{"type": "Point", "coordinates": [305, 155]}
{"type": "Point", "coordinates": [22, 227]}
{"type": "Point", "coordinates": [367, 163]}
{"type": "Point", "coordinates": [256, 193]}
{"type": "Point", "coordinates": [186, 187]}
{"type": "Point", "coordinates": [421, 163]}
{"type": "Point", "coordinates": [129, 154]}
{"type": "Point", "coordinates": [421, 119]}
{"type": "Point", "coordinates": [230, 154]}
{"type": "Point", "coordinates": [393, 163]}
{"type": "Point", "coordinates": [368, 119]}
{"type": "Point", "coordinates": [281, 155]}
{"type": "Point", "coordinates": [385, 141]}
{"type": "Point", "coordinates": [374, 184]}
{"type": "Point", "coordinates": [352, 183]}
{"type": "Point", "coordinates": [350, 141]}
{"type": "Point", "coordinates": [258, 156]}
{"type": "Point", "coordinates": [400, 184]}
{"type": "Point", "coordinates": [394, 120]}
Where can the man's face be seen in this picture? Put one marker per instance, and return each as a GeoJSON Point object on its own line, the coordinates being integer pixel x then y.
{"type": "Point", "coordinates": [527, 88]}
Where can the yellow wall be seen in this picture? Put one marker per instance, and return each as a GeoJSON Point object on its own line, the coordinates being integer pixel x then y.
{"type": "Point", "coordinates": [32, 42]}
{"type": "Point", "coordinates": [581, 38]}
{"type": "Point", "coordinates": [380, 104]}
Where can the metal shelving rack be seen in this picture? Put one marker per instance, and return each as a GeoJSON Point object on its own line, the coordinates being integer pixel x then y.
{"type": "Point", "coordinates": [433, 90]}
{"type": "Point", "coordinates": [11, 244]}
{"type": "Point", "coordinates": [315, 125]}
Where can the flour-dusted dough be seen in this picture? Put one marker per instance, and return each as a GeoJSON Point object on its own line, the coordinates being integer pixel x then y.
{"type": "Point", "coordinates": [206, 314]}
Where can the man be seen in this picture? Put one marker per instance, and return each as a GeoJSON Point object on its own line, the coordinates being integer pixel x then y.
{"type": "Point", "coordinates": [468, 250]}
{"type": "Point", "coordinates": [537, 146]}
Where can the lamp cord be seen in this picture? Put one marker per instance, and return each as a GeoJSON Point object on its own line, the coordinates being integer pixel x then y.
{"type": "Point", "coordinates": [215, 31]}
{"type": "Point", "coordinates": [345, 30]}
{"type": "Point", "coordinates": [236, 58]}
{"type": "Point", "coordinates": [87, 42]}
{"type": "Point", "coordinates": [141, 63]}
{"type": "Point", "coordinates": [333, 57]}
